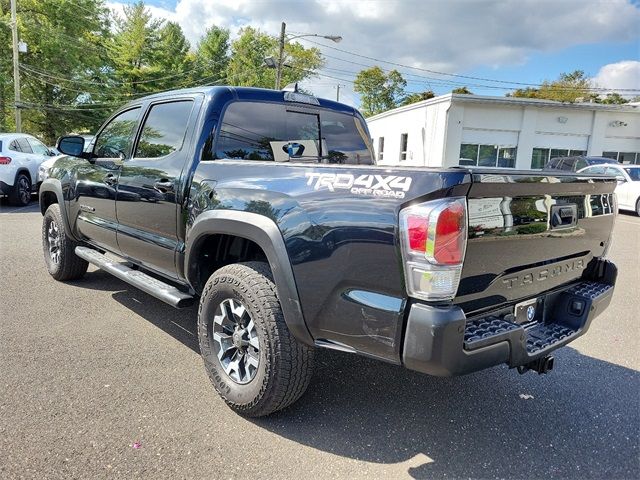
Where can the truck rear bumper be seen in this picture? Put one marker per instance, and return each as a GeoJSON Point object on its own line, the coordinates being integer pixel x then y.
{"type": "Point", "coordinates": [442, 341]}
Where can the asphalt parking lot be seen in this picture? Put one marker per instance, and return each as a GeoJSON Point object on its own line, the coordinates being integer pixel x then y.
{"type": "Point", "coordinates": [92, 368]}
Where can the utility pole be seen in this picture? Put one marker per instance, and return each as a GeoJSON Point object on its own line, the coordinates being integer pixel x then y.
{"type": "Point", "coordinates": [280, 56]}
{"type": "Point", "coordinates": [16, 71]}
{"type": "Point", "coordinates": [338, 93]}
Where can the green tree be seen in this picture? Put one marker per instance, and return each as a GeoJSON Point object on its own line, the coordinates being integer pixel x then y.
{"type": "Point", "coordinates": [173, 60]}
{"type": "Point", "coordinates": [418, 97]}
{"type": "Point", "coordinates": [462, 90]}
{"type": "Point", "coordinates": [247, 66]}
{"type": "Point", "coordinates": [569, 87]}
{"type": "Point", "coordinates": [212, 55]}
{"type": "Point", "coordinates": [379, 91]}
{"type": "Point", "coordinates": [136, 49]}
{"type": "Point", "coordinates": [63, 68]}
{"type": "Point", "coordinates": [613, 99]}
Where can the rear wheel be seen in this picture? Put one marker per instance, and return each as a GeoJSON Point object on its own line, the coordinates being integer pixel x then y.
{"type": "Point", "coordinates": [638, 207]}
{"type": "Point", "coordinates": [253, 361]}
{"type": "Point", "coordinates": [20, 194]}
{"type": "Point", "coordinates": [59, 250]}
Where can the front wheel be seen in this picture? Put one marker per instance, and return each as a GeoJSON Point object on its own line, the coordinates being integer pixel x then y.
{"type": "Point", "coordinates": [253, 361]}
{"type": "Point", "coordinates": [638, 207]}
{"type": "Point", "coordinates": [59, 250]}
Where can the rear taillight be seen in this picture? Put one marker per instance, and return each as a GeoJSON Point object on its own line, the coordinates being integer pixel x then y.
{"type": "Point", "coordinates": [434, 239]}
{"type": "Point", "coordinates": [5, 160]}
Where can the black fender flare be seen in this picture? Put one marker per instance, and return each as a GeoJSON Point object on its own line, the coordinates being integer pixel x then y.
{"type": "Point", "coordinates": [266, 234]}
{"type": "Point", "coordinates": [54, 186]}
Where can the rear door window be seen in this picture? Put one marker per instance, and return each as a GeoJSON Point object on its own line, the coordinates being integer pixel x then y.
{"type": "Point", "coordinates": [164, 129]}
{"type": "Point", "coordinates": [24, 145]}
{"type": "Point", "coordinates": [14, 146]}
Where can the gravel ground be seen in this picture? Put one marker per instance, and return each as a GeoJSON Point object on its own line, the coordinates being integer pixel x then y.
{"type": "Point", "coordinates": [90, 368]}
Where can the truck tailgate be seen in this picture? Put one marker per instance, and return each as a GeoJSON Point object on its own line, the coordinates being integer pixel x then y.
{"type": "Point", "coordinates": [530, 233]}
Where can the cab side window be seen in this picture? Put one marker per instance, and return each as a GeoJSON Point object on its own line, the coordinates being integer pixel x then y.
{"type": "Point", "coordinates": [24, 145]}
{"type": "Point", "coordinates": [38, 147]}
{"type": "Point", "coordinates": [116, 138]}
{"type": "Point", "coordinates": [164, 129]}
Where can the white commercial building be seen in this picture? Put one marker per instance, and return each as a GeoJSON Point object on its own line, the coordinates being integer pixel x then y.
{"type": "Point", "coordinates": [512, 132]}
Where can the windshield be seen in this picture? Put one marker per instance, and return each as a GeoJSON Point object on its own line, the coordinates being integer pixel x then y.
{"type": "Point", "coordinates": [634, 173]}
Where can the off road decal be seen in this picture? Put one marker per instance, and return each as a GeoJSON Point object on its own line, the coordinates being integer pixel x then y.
{"type": "Point", "coordinates": [374, 185]}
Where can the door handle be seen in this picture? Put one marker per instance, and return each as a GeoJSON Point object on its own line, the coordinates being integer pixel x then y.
{"type": "Point", "coordinates": [163, 186]}
{"type": "Point", "coordinates": [109, 179]}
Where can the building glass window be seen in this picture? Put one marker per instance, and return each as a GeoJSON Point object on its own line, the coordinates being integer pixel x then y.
{"type": "Point", "coordinates": [507, 157]}
{"type": "Point", "coordinates": [539, 158]}
{"type": "Point", "coordinates": [558, 152]}
{"type": "Point", "coordinates": [468, 154]}
{"type": "Point", "coordinates": [380, 148]}
{"type": "Point", "coordinates": [404, 141]}
{"type": "Point", "coordinates": [627, 157]}
{"type": "Point", "coordinates": [624, 157]}
{"type": "Point", "coordinates": [487, 156]}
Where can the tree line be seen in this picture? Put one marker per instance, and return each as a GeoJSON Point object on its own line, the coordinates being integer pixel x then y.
{"type": "Point", "coordinates": [381, 91]}
{"type": "Point", "coordinates": [84, 60]}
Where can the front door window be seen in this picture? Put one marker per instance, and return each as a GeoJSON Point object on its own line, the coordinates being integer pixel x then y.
{"type": "Point", "coordinates": [116, 138]}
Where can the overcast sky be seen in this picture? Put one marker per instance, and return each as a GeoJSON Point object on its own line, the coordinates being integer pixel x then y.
{"type": "Point", "coordinates": [518, 40]}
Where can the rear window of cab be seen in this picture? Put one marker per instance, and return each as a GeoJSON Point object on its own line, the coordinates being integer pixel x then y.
{"type": "Point", "coordinates": [290, 133]}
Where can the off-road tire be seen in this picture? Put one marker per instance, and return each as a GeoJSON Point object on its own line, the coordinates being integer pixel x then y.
{"type": "Point", "coordinates": [68, 266]}
{"type": "Point", "coordinates": [20, 193]}
{"type": "Point", "coordinates": [285, 365]}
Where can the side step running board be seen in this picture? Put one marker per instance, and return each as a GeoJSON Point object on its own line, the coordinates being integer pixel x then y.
{"type": "Point", "coordinates": [162, 291]}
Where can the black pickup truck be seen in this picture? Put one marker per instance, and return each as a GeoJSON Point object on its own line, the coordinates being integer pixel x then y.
{"type": "Point", "coordinates": [268, 206]}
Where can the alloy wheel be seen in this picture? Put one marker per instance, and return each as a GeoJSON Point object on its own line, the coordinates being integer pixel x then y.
{"type": "Point", "coordinates": [236, 341]}
{"type": "Point", "coordinates": [53, 241]}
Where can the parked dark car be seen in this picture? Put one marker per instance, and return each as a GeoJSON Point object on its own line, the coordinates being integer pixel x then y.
{"type": "Point", "coordinates": [267, 208]}
{"type": "Point", "coordinates": [573, 164]}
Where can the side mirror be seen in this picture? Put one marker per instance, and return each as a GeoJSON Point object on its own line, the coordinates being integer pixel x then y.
{"type": "Point", "coordinates": [620, 179]}
{"type": "Point", "coordinates": [71, 145]}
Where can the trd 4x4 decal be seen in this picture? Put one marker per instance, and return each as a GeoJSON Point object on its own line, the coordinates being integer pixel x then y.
{"type": "Point", "coordinates": [375, 185]}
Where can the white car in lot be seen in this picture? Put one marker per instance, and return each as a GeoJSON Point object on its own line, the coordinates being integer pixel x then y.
{"type": "Point", "coordinates": [20, 157]}
{"type": "Point", "coordinates": [628, 189]}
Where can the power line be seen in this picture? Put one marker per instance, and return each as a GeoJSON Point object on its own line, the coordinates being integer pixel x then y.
{"type": "Point", "coordinates": [457, 75]}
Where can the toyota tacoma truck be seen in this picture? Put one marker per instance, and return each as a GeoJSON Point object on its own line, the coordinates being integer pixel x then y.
{"type": "Point", "coordinates": [268, 207]}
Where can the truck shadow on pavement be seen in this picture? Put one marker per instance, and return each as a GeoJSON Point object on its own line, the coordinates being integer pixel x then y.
{"type": "Point", "coordinates": [580, 421]}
